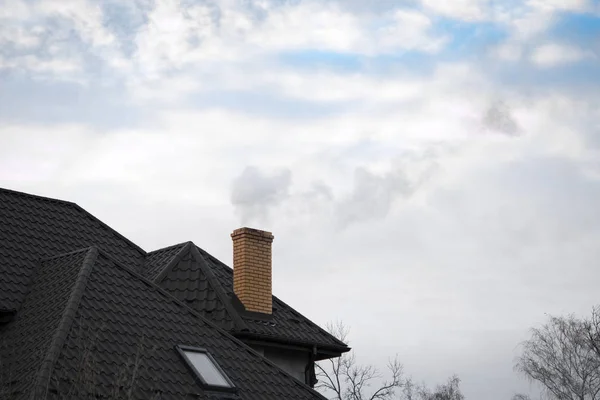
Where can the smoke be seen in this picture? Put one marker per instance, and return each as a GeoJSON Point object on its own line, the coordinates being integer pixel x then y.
{"type": "Point", "coordinates": [373, 195]}
{"type": "Point", "coordinates": [255, 193]}
{"type": "Point", "coordinates": [498, 118]}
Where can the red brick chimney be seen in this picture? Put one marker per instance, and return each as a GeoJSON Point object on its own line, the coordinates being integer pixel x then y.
{"type": "Point", "coordinates": [252, 269]}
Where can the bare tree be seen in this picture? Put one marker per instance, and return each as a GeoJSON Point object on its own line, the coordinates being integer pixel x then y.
{"type": "Point", "coordinates": [448, 391]}
{"type": "Point", "coordinates": [344, 379]}
{"type": "Point", "coordinates": [592, 327]}
{"type": "Point", "coordinates": [563, 356]}
{"type": "Point", "coordinates": [520, 396]}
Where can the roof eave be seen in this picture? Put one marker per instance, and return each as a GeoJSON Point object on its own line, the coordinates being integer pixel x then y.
{"type": "Point", "coordinates": [324, 350]}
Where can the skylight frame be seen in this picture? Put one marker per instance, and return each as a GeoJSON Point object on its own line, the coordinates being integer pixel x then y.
{"type": "Point", "coordinates": [181, 349]}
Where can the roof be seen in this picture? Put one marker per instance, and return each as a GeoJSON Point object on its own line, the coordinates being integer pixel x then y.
{"type": "Point", "coordinates": [53, 285]}
{"type": "Point", "coordinates": [34, 227]}
{"type": "Point", "coordinates": [108, 319]}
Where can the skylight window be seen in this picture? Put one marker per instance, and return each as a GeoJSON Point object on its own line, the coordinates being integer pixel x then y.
{"type": "Point", "coordinates": [206, 369]}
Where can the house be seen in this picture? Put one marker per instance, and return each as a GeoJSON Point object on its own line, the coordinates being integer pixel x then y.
{"type": "Point", "coordinates": [86, 313]}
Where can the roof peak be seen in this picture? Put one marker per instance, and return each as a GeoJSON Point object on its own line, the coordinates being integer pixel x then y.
{"type": "Point", "coordinates": [173, 246]}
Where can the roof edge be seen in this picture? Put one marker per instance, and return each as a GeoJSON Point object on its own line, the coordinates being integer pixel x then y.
{"type": "Point", "coordinates": [43, 377]}
{"type": "Point", "coordinates": [279, 340]}
{"type": "Point", "coordinates": [38, 197]}
{"type": "Point", "coordinates": [341, 344]}
{"type": "Point", "coordinates": [205, 320]}
{"type": "Point", "coordinates": [108, 227]}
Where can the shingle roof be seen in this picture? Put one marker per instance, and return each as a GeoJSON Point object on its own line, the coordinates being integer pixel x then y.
{"type": "Point", "coordinates": [34, 227]}
{"type": "Point", "coordinates": [105, 318]}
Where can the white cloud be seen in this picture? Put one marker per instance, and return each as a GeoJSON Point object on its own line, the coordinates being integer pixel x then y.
{"type": "Point", "coordinates": [14, 9]}
{"type": "Point", "coordinates": [525, 23]}
{"type": "Point", "coordinates": [318, 26]}
{"type": "Point", "coordinates": [528, 20]}
{"type": "Point", "coordinates": [25, 26]}
{"type": "Point", "coordinates": [166, 41]}
{"type": "Point", "coordinates": [85, 16]}
{"type": "Point", "coordinates": [176, 36]}
{"type": "Point", "coordinates": [469, 10]}
{"type": "Point", "coordinates": [554, 54]}
{"type": "Point", "coordinates": [57, 66]}
{"type": "Point", "coordinates": [508, 51]}
{"type": "Point", "coordinates": [20, 37]}
{"type": "Point", "coordinates": [560, 5]}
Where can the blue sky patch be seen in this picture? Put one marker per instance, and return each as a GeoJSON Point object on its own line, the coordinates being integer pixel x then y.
{"type": "Point", "coordinates": [577, 28]}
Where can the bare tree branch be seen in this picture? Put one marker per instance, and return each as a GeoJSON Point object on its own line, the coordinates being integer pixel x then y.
{"type": "Point", "coordinates": [343, 378]}
{"type": "Point", "coordinates": [563, 355]}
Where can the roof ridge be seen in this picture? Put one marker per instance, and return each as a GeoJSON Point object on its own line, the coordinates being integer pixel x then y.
{"type": "Point", "coordinates": [43, 377]}
{"type": "Point", "coordinates": [167, 247]}
{"type": "Point", "coordinates": [196, 314]}
{"type": "Point", "coordinates": [35, 196]}
{"type": "Point", "coordinates": [174, 261]}
{"type": "Point", "coordinates": [214, 282]}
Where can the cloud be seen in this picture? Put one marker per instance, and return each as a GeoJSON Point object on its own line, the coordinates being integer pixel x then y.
{"type": "Point", "coordinates": [469, 10]}
{"type": "Point", "coordinates": [255, 192]}
{"type": "Point", "coordinates": [178, 35]}
{"type": "Point", "coordinates": [560, 5]}
{"type": "Point", "coordinates": [508, 51]}
{"type": "Point", "coordinates": [553, 54]}
{"type": "Point", "coordinates": [52, 38]}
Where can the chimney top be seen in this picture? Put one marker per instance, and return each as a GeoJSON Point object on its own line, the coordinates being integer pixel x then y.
{"type": "Point", "coordinates": [252, 231]}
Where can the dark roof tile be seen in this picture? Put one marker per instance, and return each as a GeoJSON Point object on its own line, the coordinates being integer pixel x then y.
{"type": "Point", "coordinates": [123, 321]}
{"type": "Point", "coordinates": [157, 260]}
{"type": "Point", "coordinates": [27, 340]}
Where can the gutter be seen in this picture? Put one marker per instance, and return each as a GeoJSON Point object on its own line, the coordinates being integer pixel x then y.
{"type": "Point", "coordinates": [321, 351]}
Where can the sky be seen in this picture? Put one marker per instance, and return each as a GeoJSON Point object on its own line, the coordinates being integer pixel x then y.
{"type": "Point", "coordinates": [430, 170]}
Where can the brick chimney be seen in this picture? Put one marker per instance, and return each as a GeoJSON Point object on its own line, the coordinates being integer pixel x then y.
{"type": "Point", "coordinates": [252, 269]}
